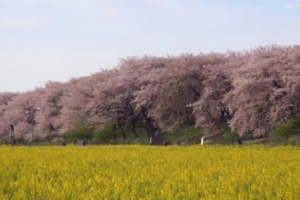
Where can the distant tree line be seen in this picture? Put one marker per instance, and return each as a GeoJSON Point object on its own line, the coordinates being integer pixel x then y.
{"type": "Point", "coordinates": [245, 92]}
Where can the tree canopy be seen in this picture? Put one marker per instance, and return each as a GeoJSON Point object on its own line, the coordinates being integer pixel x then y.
{"type": "Point", "coordinates": [250, 90]}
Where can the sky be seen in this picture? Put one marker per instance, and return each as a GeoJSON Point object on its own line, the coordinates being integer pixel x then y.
{"type": "Point", "coordinates": [43, 40]}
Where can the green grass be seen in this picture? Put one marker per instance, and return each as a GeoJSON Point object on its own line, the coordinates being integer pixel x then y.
{"type": "Point", "coordinates": [186, 134]}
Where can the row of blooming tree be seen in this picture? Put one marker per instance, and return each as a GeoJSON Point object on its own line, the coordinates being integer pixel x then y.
{"type": "Point", "coordinates": [247, 91]}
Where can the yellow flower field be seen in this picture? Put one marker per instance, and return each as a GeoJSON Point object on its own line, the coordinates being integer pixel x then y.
{"type": "Point", "coordinates": [147, 172]}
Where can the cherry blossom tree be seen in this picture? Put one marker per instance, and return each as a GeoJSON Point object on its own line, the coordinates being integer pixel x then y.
{"type": "Point", "coordinates": [48, 119]}
{"type": "Point", "coordinates": [5, 98]}
{"type": "Point", "coordinates": [75, 97]}
{"type": "Point", "coordinates": [16, 108]}
{"type": "Point", "coordinates": [170, 88]}
{"type": "Point", "coordinates": [246, 92]}
{"type": "Point", "coordinates": [266, 89]}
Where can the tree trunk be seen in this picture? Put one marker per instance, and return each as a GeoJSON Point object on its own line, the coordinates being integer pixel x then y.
{"type": "Point", "coordinates": [120, 123]}
{"type": "Point", "coordinates": [195, 93]}
{"type": "Point", "coordinates": [130, 113]}
{"type": "Point", "coordinates": [147, 130]}
{"type": "Point", "coordinates": [114, 133]}
{"type": "Point", "coordinates": [132, 127]}
{"type": "Point", "coordinates": [123, 134]}
{"type": "Point", "coordinates": [147, 122]}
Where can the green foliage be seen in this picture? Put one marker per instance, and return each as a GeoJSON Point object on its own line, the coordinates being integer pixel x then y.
{"type": "Point", "coordinates": [230, 136]}
{"type": "Point", "coordinates": [105, 133]}
{"type": "Point", "coordinates": [80, 131]}
{"type": "Point", "coordinates": [287, 129]}
{"type": "Point", "coordinates": [194, 135]}
{"type": "Point", "coordinates": [187, 133]}
{"type": "Point", "coordinates": [48, 138]}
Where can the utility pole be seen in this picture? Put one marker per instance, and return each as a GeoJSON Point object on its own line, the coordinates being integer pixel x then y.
{"type": "Point", "coordinates": [12, 134]}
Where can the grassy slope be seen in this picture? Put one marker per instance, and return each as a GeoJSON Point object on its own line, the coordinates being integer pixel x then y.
{"type": "Point", "coordinates": [189, 135]}
{"type": "Point", "coordinates": [185, 134]}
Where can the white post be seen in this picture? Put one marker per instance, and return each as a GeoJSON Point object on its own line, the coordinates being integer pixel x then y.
{"type": "Point", "coordinates": [202, 141]}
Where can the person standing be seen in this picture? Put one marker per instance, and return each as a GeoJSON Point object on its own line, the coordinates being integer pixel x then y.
{"type": "Point", "coordinates": [151, 141]}
{"type": "Point", "coordinates": [240, 142]}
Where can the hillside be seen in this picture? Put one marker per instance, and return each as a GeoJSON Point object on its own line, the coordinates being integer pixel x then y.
{"type": "Point", "coordinates": [246, 91]}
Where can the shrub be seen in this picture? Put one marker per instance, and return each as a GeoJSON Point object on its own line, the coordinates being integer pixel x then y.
{"type": "Point", "coordinates": [79, 132]}
{"type": "Point", "coordinates": [105, 133]}
{"type": "Point", "coordinates": [291, 127]}
{"type": "Point", "coordinates": [230, 136]}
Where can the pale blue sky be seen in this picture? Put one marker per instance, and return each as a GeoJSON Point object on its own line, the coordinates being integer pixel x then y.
{"type": "Point", "coordinates": [43, 40]}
